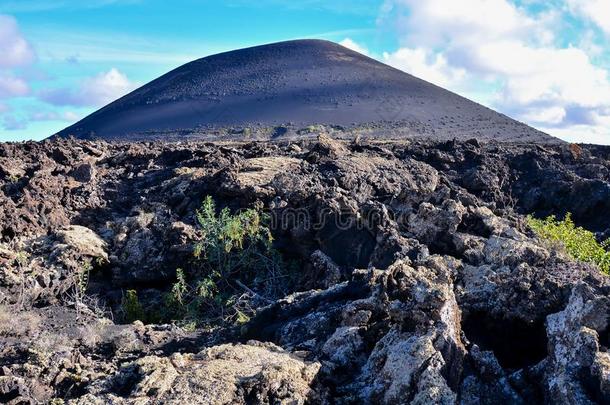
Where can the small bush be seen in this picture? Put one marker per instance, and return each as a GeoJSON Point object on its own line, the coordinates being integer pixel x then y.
{"type": "Point", "coordinates": [578, 243]}
{"type": "Point", "coordinates": [235, 270]}
{"type": "Point", "coordinates": [132, 309]}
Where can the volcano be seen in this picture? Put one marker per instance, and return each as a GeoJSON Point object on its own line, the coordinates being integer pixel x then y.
{"type": "Point", "coordinates": [283, 88]}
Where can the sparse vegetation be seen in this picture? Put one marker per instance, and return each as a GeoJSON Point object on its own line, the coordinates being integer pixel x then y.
{"type": "Point", "coordinates": [77, 295]}
{"type": "Point", "coordinates": [21, 260]}
{"type": "Point", "coordinates": [132, 309]}
{"type": "Point", "coordinates": [13, 178]}
{"type": "Point", "coordinates": [311, 129]}
{"type": "Point", "coordinates": [579, 243]}
{"type": "Point", "coordinates": [17, 323]}
{"type": "Point", "coordinates": [80, 286]}
{"type": "Point", "coordinates": [235, 269]}
{"type": "Point", "coordinates": [82, 279]}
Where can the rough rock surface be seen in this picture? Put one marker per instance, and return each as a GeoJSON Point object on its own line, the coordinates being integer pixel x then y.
{"type": "Point", "coordinates": [225, 374]}
{"type": "Point", "coordinates": [417, 278]}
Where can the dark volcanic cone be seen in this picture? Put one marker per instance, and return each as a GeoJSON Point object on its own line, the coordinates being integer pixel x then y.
{"type": "Point", "coordinates": [297, 84]}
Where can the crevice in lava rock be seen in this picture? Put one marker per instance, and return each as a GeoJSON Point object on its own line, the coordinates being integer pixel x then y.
{"type": "Point", "coordinates": [124, 384]}
{"type": "Point", "coordinates": [9, 396]}
{"type": "Point", "coordinates": [7, 234]}
{"type": "Point", "coordinates": [346, 241]}
{"type": "Point", "coordinates": [515, 343]}
{"type": "Point", "coordinates": [591, 384]}
{"type": "Point", "coordinates": [474, 225]}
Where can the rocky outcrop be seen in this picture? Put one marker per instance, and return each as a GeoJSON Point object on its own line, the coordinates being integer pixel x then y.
{"type": "Point", "coordinates": [578, 362]}
{"type": "Point", "coordinates": [226, 374]}
{"type": "Point", "coordinates": [42, 270]}
{"type": "Point", "coordinates": [413, 277]}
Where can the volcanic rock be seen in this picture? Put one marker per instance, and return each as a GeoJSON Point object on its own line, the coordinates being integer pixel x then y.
{"type": "Point", "coordinates": [416, 280]}
{"type": "Point", "coordinates": [292, 90]}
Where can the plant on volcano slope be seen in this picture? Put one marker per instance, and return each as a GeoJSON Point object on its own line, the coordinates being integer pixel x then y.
{"type": "Point", "coordinates": [577, 242]}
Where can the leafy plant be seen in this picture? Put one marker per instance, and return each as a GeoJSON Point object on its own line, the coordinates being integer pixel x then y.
{"type": "Point", "coordinates": [132, 309]}
{"type": "Point", "coordinates": [235, 268]}
{"type": "Point", "coordinates": [579, 243]}
{"type": "Point", "coordinates": [82, 281]}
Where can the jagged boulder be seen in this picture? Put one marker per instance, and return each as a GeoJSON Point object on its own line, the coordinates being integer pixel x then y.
{"type": "Point", "coordinates": [43, 270]}
{"type": "Point", "coordinates": [578, 370]}
{"type": "Point", "coordinates": [227, 374]}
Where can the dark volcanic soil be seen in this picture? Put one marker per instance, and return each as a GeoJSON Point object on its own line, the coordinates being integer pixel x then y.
{"type": "Point", "coordinates": [280, 89]}
{"type": "Point", "coordinates": [438, 293]}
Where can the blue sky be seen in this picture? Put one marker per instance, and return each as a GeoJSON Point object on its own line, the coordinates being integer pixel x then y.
{"type": "Point", "coordinates": [543, 62]}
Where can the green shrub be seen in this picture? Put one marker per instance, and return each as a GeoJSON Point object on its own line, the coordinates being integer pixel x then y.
{"type": "Point", "coordinates": [578, 243]}
{"type": "Point", "coordinates": [235, 269]}
{"type": "Point", "coordinates": [132, 309]}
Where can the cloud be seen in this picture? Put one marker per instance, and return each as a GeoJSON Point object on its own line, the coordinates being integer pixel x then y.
{"type": "Point", "coordinates": [68, 116]}
{"type": "Point", "coordinates": [14, 48]}
{"type": "Point", "coordinates": [17, 69]}
{"type": "Point", "coordinates": [11, 123]}
{"type": "Point", "coordinates": [430, 66]}
{"type": "Point", "coordinates": [94, 91]}
{"type": "Point", "coordinates": [11, 86]}
{"type": "Point", "coordinates": [530, 72]}
{"type": "Point", "coordinates": [417, 61]}
{"type": "Point", "coordinates": [553, 115]}
{"type": "Point", "coordinates": [597, 11]}
{"type": "Point", "coordinates": [433, 22]}
{"type": "Point", "coordinates": [350, 44]}
{"type": "Point", "coordinates": [15, 51]}
{"type": "Point", "coordinates": [21, 120]}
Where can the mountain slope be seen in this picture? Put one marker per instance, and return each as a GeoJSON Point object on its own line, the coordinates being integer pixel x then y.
{"type": "Point", "coordinates": [297, 84]}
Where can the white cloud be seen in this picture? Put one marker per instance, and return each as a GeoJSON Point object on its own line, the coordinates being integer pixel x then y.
{"type": "Point", "coordinates": [17, 56]}
{"type": "Point", "coordinates": [535, 78]}
{"type": "Point", "coordinates": [350, 44]}
{"type": "Point", "coordinates": [597, 134]}
{"type": "Point", "coordinates": [533, 75]}
{"type": "Point", "coordinates": [15, 50]}
{"type": "Point", "coordinates": [430, 66]}
{"type": "Point", "coordinates": [11, 86]}
{"type": "Point", "coordinates": [69, 116]}
{"type": "Point", "coordinates": [550, 115]}
{"type": "Point", "coordinates": [434, 22]}
{"type": "Point", "coordinates": [106, 87]}
{"type": "Point", "coordinates": [597, 11]}
{"type": "Point", "coordinates": [94, 91]}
